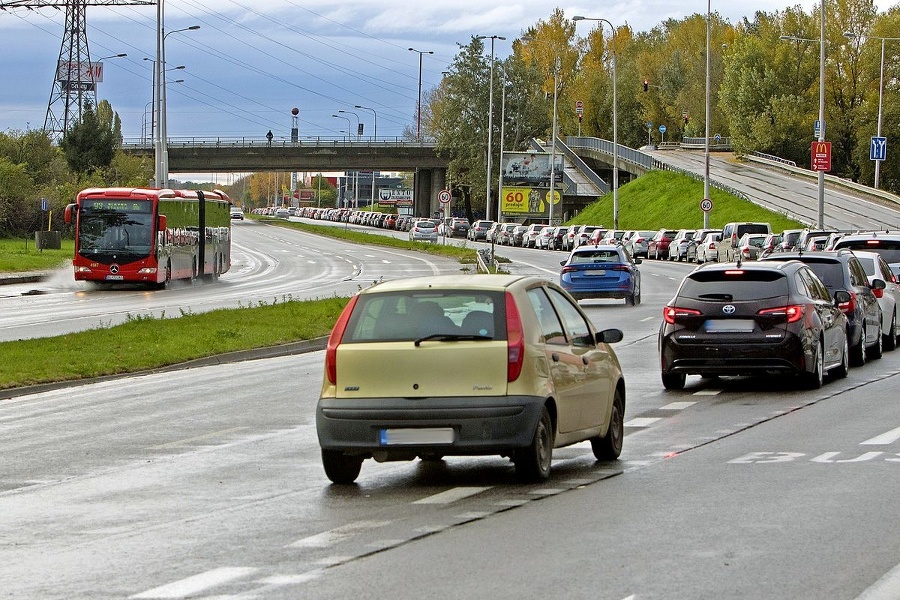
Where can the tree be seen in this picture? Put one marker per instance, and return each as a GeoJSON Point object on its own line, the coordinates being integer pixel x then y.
{"type": "Point", "coordinates": [89, 144]}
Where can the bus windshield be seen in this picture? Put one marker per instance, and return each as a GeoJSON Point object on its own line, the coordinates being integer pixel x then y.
{"type": "Point", "coordinates": [116, 226]}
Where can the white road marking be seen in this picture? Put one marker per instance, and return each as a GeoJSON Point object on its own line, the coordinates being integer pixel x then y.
{"type": "Point", "coordinates": [885, 438]}
{"type": "Point", "coordinates": [196, 584]}
{"type": "Point", "coordinates": [329, 538]}
{"type": "Point", "coordinates": [648, 319]}
{"type": "Point", "coordinates": [677, 405]}
{"type": "Point", "coordinates": [707, 392]}
{"type": "Point", "coordinates": [886, 588]}
{"type": "Point", "coordinates": [452, 495]}
{"type": "Point", "coordinates": [641, 422]}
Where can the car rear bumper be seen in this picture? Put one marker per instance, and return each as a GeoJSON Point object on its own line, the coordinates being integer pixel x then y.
{"type": "Point", "coordinates": [480, 425]}
{"type": "Point", "coordinates": [787, 356]}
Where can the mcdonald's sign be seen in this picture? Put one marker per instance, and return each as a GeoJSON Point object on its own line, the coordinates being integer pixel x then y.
{"type": "Point", "coordinates": [820, 156]}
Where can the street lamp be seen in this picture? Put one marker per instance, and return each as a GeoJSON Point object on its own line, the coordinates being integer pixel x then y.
{"type": "Point", "coordinates": [487, 201]}
{"type": "Point", "coordinates": [161, 146]}
{"type": "Point", "coordinates": [348, 124]}
{"type": "Point", "coordinates": [615, 123]}
{"type": "Point", "coordinates": [706, 198]}
{"type": "Point", "coordinates": [852, 35]}
{"type": "Point", "coordinates": [821, 173]}
{"type": "Point", "coordinates": [374, 138]}
{"type": "Point", "coordinates": [350, 112]}
{"type": "Point", "coordinates": [419, 103]}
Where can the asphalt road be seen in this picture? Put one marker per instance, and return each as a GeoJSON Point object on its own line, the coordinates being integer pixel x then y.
{"type": "Point", "coordinates": [207, 483]}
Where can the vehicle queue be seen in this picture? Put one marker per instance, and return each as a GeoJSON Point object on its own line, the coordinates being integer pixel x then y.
{"type": "Point", "coordinates": [857, 296]}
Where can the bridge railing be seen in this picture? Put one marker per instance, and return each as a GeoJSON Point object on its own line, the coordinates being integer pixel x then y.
{"type": "Point", "coordinates": [262, 142]}
{"type": "Point", "coordinates": [624, 153]}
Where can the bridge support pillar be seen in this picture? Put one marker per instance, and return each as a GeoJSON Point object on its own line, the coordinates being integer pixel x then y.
{"type": "Point", "coordinates": [428, 182]}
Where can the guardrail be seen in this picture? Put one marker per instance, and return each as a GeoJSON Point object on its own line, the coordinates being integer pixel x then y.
{"type": "Point", "coordinates": [773, 158]}
{"type": "Point", "coordinates": [723, 144]}
{"type": "Point", "coordinates": [626, 154]}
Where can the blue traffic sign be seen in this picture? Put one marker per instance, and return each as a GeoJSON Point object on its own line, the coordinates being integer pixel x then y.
{"type": "Point", "coordinates": [878, 148]}
{"type": "Point", "coordinates": [662, 128]}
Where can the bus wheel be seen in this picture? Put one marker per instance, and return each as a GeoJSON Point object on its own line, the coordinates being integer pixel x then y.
{"type": "Point", "coordinates": [168, 278]}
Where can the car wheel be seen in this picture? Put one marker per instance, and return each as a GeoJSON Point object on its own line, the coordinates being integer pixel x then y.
{"type": "Point", "coordinates": [630, 300]}
{"type": "Point", "coordinates": [341, 468]}
{"type": "Point", "coordinates": [637, 296]}
{"type": "Point", "coordinates": [533, 462]}
{"type": "Point", "coordinates": [841, 371]}
{"type": "Point", "coordinates": [813, 381]}
{"type": "Point", "coordinates": [858, 351]}
{"type": "Point", "coordinates": [609, 446]}
{"type": "Point", "coordinates": [673, 381]}
{"type": "Point", "coordinates": [890, 338]}
{"type": "Point", "coordinates": [877, 349]}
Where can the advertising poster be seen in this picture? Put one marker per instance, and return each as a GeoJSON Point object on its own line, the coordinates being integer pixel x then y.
{"type": "Point", "coordinates": [530, 169]}
{"type": "Point", "coordinates": [528, 202]}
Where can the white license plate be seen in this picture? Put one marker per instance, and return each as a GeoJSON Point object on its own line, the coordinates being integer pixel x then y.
{"type": "Point", "coordinates": [431, 435]}
{"type": "Point", "coordinates": [730, 326]}
{"type": "Point", "coordinates": [595, 272]}
{"type": "Point", "coordinates": [115, 277]}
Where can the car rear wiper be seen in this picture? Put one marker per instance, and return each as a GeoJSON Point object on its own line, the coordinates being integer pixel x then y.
{"type": "Point", "coordinates": [452, 337]}
{"type": "Point", "coordinates": [723, 297]}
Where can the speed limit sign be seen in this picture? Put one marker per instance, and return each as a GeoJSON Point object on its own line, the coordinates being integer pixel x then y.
{"type": "Point", "coordinates": [444, 196]}
{"type": "Point", "coordinates": [706, 205]}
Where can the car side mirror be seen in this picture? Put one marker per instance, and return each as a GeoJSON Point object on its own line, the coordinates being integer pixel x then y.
{"type": "Point", "coordinates": [562, 263]}
{"type": "Point", "coordinates": [638, 261]}
{"type": "Point", "coordinates": [878, 284]}
{"type": "Point", "coordinates": [841, 297]}
{"type": "Point", "coordinates": [609, 336]}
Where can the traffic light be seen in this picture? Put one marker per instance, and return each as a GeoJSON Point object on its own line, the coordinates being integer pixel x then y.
{"type": "Point", "coordinates": [646, 85]}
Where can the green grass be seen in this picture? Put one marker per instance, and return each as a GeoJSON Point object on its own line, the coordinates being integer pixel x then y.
{"type": "Point", "coordinates": [20, 255]}
{"type": "Point", "coordinates": [665, 199]}
{"type": "Point", "coordinates": [146, 342]}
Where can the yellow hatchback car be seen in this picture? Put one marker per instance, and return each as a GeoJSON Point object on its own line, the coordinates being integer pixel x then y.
{"type": "Point", "coordinates": [449, 365]}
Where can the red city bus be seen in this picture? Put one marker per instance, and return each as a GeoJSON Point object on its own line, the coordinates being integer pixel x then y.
{"type": "Point", "coordinates": [138, 235]}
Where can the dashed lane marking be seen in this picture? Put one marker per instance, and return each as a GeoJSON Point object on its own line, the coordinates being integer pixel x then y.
{"type": "Point", "coordinates": [196, 584]}
{"type": "Point", "coordinates": [885, 438]}
{"type": "Point", "coordinates": [452, 495]}
{"type": "Point", "coordinates": [642, 422]}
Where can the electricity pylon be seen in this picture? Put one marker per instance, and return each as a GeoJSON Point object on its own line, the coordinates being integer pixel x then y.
{"type": "Point", "coordinates": [76, 77]}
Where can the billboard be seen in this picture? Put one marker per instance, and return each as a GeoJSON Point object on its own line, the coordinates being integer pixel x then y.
{"type": "Point", "coordinates": [395, 197]}
{"type": "Point", "coordinates": [530, 168]}
{"type": "Point", "coordinates": [528, 202]}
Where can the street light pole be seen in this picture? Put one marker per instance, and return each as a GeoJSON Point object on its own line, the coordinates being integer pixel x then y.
{"type": "Point", "coordinates": [706, 134]}
{"type": "Point", "coordinates": [419, 103]}
{"type": "Point", "coordinates": [502, 135]}
{"type": "Point", "coordinates": [615, 174]}
{"type": "Point", "coordinates": [350, 112]}
{"type": "Point", "coordinates": [487, 200]}
{"type": "Point", "coordinates": [821, 137]}
{"type": "Point", "coordinates": [374, 139]}
{"type": "Point", "coordinates": [161, 147]}
{"type": "Point", "coordinates": [851, 34]}
{"type": "Point", "coordinates": [348, 124]}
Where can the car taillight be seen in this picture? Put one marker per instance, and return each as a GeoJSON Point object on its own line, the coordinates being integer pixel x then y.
{"type": "Point", "coordinates": [515, 340]}
{"type": "Point", "coordinates": [568, 269]}
{"type": "Point", "coordinates": [334, 340]}
{"type": "Point", "coordinates": [712, 245]}
{"type": "Point", "coordinates": [620, 268]}
{"type": "Point", "coordinates": [849, 307]}
{"type": "Point", "coordinates": [791, 314]}
{"type": "Point", "coordinates": [671, 313]}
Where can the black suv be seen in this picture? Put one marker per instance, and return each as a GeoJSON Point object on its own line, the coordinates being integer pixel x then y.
{"type": "Point", "coordinates": [841, 270]}
{"type": "Point", "coordinates": [753, 319]}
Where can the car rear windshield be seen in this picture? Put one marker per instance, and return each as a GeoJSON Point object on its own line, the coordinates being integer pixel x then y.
{"type": "Point", "coordinates": [831, 272]}
{"type": "Point", "coordinates": [734, 285]}
{"type": "Point", "coordinates": [888, 249]}
{"type": "Point", "coordinates": [752, 228]}
{"type": "Point", "coordinates": [411, 315]}
{"type": "Point", "coordinates": [586, 257]}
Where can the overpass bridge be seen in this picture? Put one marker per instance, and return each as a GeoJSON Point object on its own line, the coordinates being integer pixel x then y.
{"type": "Point", "coordinates": [589, 161]}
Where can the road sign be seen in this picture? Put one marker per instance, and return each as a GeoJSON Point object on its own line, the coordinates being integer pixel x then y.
{"type": "Point", "coordinates": [816, 128]}
{"type": "Point", "coordinates": [444, 196]}
{"type": "Point", "coordinates": [820, 156]}
{"type": "Point", "coordinates": [706, 205]}
{"type": "Point", "coordinates": [878, 148]}
{"type": "Point", "coordinates": [662, 128]}
{"type": "Point", "coordinates": [579, 107]}
{"type": "Point", "coordinates": [44, 205]}
{"type": "Point", "coordinates": [718, 138]}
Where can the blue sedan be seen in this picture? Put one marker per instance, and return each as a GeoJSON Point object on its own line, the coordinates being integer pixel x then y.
{"type": "Point", "coordinates": [601, 272]}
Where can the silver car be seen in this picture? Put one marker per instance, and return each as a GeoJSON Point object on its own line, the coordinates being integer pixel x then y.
{"type": "Point", "coordinates": [423, 230]}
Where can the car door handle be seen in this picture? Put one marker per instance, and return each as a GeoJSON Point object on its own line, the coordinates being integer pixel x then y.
{"type": "Point", "coordinates": [585, 360]}
{"type": "Point", "coordinates": [555, 357]}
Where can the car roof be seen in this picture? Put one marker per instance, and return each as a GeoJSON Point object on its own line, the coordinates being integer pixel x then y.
{"type": "Point", "coordinates": [759, 265]}
{"type": "Point", "coordinates": [476, 282]}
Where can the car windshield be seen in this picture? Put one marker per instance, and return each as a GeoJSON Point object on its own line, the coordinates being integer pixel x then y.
{"type": "Point", "coordinates": [734, 285]}
{"type": "Point", "coordinates": [448, 315]}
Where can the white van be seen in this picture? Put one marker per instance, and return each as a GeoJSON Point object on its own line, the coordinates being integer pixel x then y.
{"type": "Point", "coordinates": [732, 232]}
